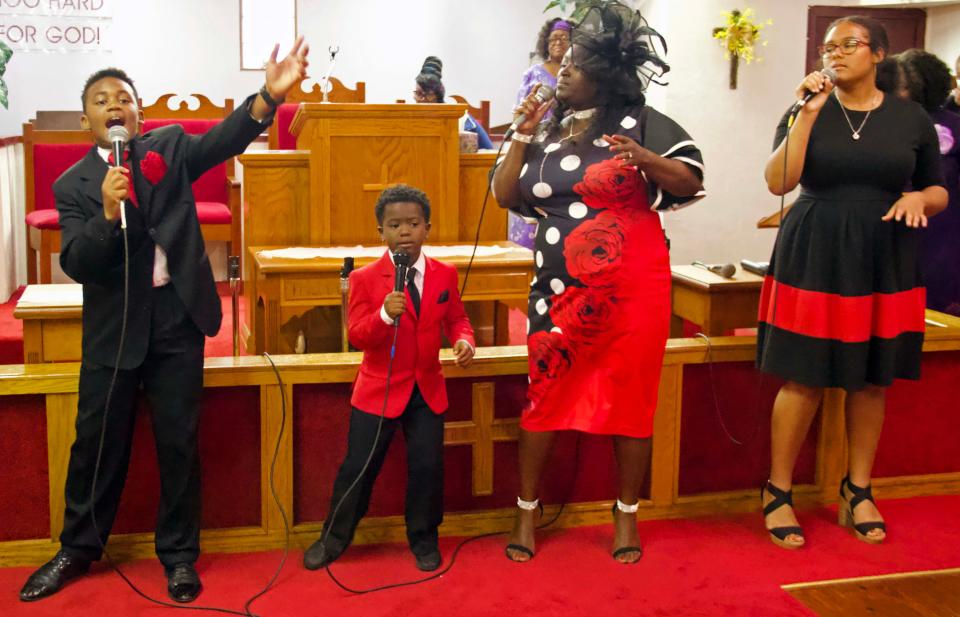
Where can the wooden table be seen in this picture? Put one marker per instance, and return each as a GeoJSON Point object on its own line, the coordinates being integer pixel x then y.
{"type": "Point", "coordinates": [286, 296]}
{"type": "Point", "coordinates": [712, 302]}
{"type": "Point", "coordinates": [52, 326]}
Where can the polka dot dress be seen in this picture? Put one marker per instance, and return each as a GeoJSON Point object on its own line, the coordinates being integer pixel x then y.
{"type": "Point", "coordinates": [599, 308]}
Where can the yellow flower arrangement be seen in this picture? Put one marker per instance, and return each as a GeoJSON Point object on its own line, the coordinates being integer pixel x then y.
{"type": "Point", "coordinates": [738, 37]}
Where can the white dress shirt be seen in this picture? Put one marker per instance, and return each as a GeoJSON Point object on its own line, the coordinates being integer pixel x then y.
{"type": "Point", "coordinates": [419, 269]}
{"type": "Point", "coordinates": [161, 276]}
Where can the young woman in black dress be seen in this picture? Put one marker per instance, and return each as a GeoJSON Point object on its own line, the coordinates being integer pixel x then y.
{"type": "Point", "coordinates": [843, 306]}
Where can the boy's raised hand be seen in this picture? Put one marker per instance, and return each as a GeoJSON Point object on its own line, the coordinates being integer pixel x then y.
{"type": "Point", "coordinates": [463, 353]}
{"type": "Point", "coordinates": [282, 75]}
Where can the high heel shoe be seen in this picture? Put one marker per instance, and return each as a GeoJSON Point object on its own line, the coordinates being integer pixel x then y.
{"type": "Point", "coordinates": [527, 506]}
{"type": "Point", "coordinates": [845, 512]}
{"type": "Point", "coordinates": [623, 550]}
{"type": "Point", "coordinates": [779, 535]}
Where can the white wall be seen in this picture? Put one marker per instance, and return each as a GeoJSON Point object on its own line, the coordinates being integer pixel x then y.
{"type": "Point", "coordinates": [734, 128]}
{"type": "Point", "coordinates": [943, 33]}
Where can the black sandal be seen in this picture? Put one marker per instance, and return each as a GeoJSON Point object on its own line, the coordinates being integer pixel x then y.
{"type": "Point", "coordinates": [845, 513]}
{"type": "Point", "coordinates": [623, 550]}
{"type": "Point", "coordinates": [526, 550]}
{"type": "Point", "coordinates": [778, 535]}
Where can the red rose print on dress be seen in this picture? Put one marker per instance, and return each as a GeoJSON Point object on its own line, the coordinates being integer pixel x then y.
{"type": "Point", "coordinates": [153, 167]}
{"type": "Point", "coordinates": [593, 250]}
{"type": "Point", "coordinates": [608, 185]}
{"type": "Point", "coordinates": [584, 314]}
{"type": "Point", "coordinates": [549, 358]}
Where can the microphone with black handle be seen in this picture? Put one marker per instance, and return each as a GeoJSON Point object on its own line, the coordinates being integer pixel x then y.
{"type": "Point", "coordinates": [401, 262]}
{"type": "Point", "coordinates": [544, 94]}
{"type": "Point", "coordinates": [119, 136]}
{"type": "Point", "coordinates": [725, 270]}
{"type": "Point", "coordinates": [826, 72]}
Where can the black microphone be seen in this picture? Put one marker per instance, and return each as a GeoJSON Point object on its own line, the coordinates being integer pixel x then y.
{"type": "Point", "coordinates": [826, 72]}
{"type": "Point", "coordinates": [725, 270]}
{"type": "Point", "coordinates": [347, 268]}
{"type": "Point", "coordinates": [119, 136]}
{"type": "Point", "coordinates": [544, 94]}
{"type": "Point", "coordinates": [401, 262]}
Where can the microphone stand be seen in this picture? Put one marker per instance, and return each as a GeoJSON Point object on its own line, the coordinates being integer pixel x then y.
{"type": "Point", "coordinates": [326, 78]}
{"type": "Point", "coordinates": [233, 273]}
{"type": "Point", "coordinates": [344, 295]}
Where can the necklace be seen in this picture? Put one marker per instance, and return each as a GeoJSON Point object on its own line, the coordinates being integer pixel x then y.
{"type": "Point", "coordinates": [541, 189]}
{"type": "Point", "coordinates": [855, 133]}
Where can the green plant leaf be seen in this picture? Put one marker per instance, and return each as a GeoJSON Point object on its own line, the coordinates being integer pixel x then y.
{"type": "Point", "coordinates": [3, 95]}
{"type": "Point", "coordinates": [5, 52]}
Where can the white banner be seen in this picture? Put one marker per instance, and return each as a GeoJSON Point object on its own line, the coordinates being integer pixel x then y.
{"type": "Point", "coordinates": [58, 8]}
{"type": "Point", "coordinates": [55, 33]}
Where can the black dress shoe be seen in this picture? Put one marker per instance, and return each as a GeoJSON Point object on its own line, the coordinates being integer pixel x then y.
{"type": "Point", "coordinates": [51, 576]}
{"type": "Point", "coordinates": [183, 582]}
{"type": "Point", "coordinates": [429, 562]}
{"type": "Point", "coordinates": [318, 556]}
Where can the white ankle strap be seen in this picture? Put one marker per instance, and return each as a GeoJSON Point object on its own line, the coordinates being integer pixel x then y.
{"type": "Point", "coordinates": [528, 505]}
{"type": "Point", "coordinates": [627, 509]}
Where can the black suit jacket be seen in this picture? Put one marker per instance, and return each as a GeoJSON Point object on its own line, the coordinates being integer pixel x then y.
{"type": "Point", "coordinates": [92, 247]}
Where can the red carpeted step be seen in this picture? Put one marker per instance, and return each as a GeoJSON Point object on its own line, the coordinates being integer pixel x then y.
{"type": "Point", "coordinates": [708, 566]}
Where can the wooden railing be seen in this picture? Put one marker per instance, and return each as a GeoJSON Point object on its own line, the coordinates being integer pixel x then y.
{"type": "Point", "coordinates": [57, 384]}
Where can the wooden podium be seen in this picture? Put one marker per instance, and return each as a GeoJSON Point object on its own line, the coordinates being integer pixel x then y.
{"type": "Point", "coordinates": [323, 193]}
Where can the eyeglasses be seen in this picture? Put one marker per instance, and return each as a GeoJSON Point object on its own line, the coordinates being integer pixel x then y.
{"type": "Point", "coordinates": [559, 39]}
{"type": "Point", "coordinates": [846, 47]}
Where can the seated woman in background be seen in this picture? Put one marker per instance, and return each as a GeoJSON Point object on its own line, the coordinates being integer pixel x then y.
{"type": "Point", "coordinates": [926, 79]}
{"type": "Point", "coordinates": [430, 90]}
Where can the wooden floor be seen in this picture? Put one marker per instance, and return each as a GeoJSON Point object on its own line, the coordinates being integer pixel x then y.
{"type": "Point", "coordinates": [915, 594]}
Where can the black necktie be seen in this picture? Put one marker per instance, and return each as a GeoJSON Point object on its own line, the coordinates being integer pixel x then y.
{"type": "Point", "coordinates": [412, 288]}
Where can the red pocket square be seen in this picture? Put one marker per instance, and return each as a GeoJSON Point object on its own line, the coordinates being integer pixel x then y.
{"type": "Point", "coordinates": [153, 167]}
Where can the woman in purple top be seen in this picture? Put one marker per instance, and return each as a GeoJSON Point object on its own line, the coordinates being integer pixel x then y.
{"type": "Point", "coordinates": [926, 79]}
{"type": "Point", "coordinates": [552, 43]}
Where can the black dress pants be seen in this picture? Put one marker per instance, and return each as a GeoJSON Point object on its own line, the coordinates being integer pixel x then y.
{"type": "Point", "coordinates": [423, 431]}
{"type": "Point", "coordinates": [172, 378]}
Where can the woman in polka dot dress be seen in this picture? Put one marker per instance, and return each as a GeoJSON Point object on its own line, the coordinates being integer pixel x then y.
{"type": "Point", "coordinates": [599, 310]}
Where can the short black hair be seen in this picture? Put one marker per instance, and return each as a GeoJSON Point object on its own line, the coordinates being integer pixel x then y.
{"type": "Point", "coordinates": [101, 74]}
{"type": "Point", "coordinates": [926, 77]}
{"type": "Point", "coordinates": [402, 193]}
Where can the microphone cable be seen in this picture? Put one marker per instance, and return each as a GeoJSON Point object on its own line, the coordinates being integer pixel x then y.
{"type": "Point", "coordinates": [483, 209]}
{"type": "Point", "coordinates": [96, 469]}
{"type": "Point", "coordinates": [773, 314]}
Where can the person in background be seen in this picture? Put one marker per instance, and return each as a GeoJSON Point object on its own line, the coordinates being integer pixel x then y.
{"type": "Point", "coordinates": [553, 41]}
{"type": "Point", "coordinates": [926, 79]}
{"type": "Point", "coordinates": [430, 90]}
{"type": "Point", "coordinates": [953, 100]}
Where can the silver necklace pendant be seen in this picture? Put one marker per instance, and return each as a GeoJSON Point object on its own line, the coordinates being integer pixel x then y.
{"type": "Point", "coordinates": [856, 136]}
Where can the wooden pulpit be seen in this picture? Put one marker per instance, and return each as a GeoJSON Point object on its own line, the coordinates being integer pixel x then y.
{"type": "Point", "coordinates": [324, 192]}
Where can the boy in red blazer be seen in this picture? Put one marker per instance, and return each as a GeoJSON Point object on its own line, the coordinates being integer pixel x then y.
{"type": "Point", "coordinates": [429, 306]}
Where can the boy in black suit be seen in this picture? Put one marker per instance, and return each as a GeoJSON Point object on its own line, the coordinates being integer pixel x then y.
{"type": "Point", "coordinates": [172, 304]}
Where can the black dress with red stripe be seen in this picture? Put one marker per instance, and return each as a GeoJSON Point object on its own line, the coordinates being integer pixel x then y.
{"type": "Point", "coordinates": [843, 305]}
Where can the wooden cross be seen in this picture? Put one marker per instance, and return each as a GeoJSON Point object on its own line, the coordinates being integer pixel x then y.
{"type": "Point", "coordinates": [481, 432]}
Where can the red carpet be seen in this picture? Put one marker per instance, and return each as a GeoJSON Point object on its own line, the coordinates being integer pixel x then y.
{"type": "Point", "coordinates": [710, 566]}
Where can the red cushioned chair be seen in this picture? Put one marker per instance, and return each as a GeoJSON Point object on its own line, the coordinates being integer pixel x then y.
{"type": "Point", "coordinates": [279, 137]}
{"type": "Point", "coordinates": [46, 155]}
{"type": "Point", "coordinates": [217, 192]}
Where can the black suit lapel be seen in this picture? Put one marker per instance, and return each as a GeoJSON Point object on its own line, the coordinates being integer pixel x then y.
{"type": "Point", "coordinates": [92, 170]}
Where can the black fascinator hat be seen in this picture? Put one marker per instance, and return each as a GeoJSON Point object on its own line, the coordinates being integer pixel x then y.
{"type": "Point", "coordinates": [615, 47]}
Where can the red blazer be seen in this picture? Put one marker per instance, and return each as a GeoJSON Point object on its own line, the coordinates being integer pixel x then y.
{"type": "Point", "coordinates": [418, 342]}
